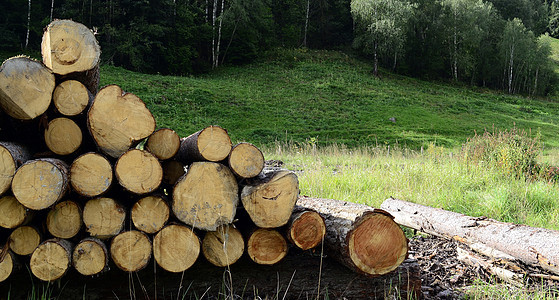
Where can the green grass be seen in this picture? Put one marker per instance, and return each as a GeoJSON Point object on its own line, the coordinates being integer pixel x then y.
{"type": "Point", "coordinates": [331, 97]}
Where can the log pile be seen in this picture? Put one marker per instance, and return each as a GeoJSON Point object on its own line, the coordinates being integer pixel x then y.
{"type": "Point", "coordinates": [87, 182]}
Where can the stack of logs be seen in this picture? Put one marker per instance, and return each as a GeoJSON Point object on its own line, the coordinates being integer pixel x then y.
{"type": "Point", "coordinates": [85, 178]}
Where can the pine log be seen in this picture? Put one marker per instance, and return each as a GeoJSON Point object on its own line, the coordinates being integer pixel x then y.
{"type": "Point", "coordinates": [224, 246]}
{"type": "Point", "coordinates": [364, 239]}
{"type": "Point", "coordinates": [206, 196]}
{"type": "Point", "coordinates": [138, 171]}
{"type": "Point", "coordinates": [269, 198]}
{"type": "Point", "coordinates": [163, 143]}
{"type": "Point", "coordinates": [6, 264]}
{"type": "Point", "coordinates": [306, 229]}
{"type": "Point", "coordinates": [13, 213]}
{"type": "Point", "coordinates": [103, 217]}
{"type": "Point", "coordinates": [24, 240]}
{"type": "Point", "coordinates": [131, 250]}
{"type": "Point", "coordinates": [533, 246]}
{"type": "Point", "coordinates": [40, 183]}
{"type": "Point", "coordinates": [150, 214]}
{"type": "Point", "coordinates": [26, 88]}
{"type": "Point", "coordinates": [71, 50]}
{"type": "Point", "coordinates": [63, 136]}
{"type": "Point", "coordinates": [176, 248]}
{"type": "Point", "coordinates": [209, 144]}
{"type": "Point", "coordinates": [51, 260]}
{"type": "Point", "coordinates": [173, 170]}
{"type": "Point", "coordinates": [118, 120]}
{"type": "Point", "coordinates": [64, 220]}
{"type": "Point", "coordinates": [266, 246]}
{"type": "Point", "coordinates": [12, 156]}
{"type": "Point", "coordinates": [90, 256]}
{"type": "Point", "coordinates": [246, 160]}
{"type": "Point", "coordinates": [91, 174]}
{"type": "Point", "coordinates": [71, 98]}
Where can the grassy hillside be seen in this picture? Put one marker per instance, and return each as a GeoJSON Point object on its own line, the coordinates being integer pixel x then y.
{"type": "Point", "coordinates": [327, 97]}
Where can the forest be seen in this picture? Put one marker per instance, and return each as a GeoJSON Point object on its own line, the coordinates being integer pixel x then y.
{"type": "Point", "coordinates": [495, 44]}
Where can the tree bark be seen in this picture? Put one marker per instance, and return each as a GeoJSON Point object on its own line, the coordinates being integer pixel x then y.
{"type": "Point", "coordinates": [51, 259]}
{"type": "Point", "coordinates": [224, 246]}
{"type": "Point", "coordinates": [306, 229]}
{"type": "Point", "coordinates": [246, 160]}
{"type": "Point", "coordinates": [103, 217]}
{"type": "Point", "coordinates": [26, 87]}
{"type": "Point", "coordinates": [63, 136]}
{"type": "Point", "coordinates": [533, 246]}
{"type": "Point", "coordinates": [24, 240]}
{"type": "Point", "coordinates": [13, 213]}
{"type": "Point", "coordinates": [176, 248]}
{"type": "Point", "coordinates": [40, 183]}
{"type": "Point", "coordinates": [209, 144]}
{"type": "Point", "coordinates": [364, 239]}
{"type": "Point", "coordinates": [206, 197]}
{"type": "Point", "coordinates": [138, 171]}
{"type": "Point", "coordinates": [12, 156]}
{"type": "Point", "coordinates": [131, 250]}
{"type": "Point", "coordinates": [150, 214]}
{"type": "Point", "coordinates": [91, 174]}
{"type": "Point", "coordinates": [269, 198]}
{"type": "Point", "coordinates": [118, 120]}
{"type": "Point", "coordinates": [64, 220]}
{"type": "Point", "coordinates": [90, 257]}
{"type": "Point", "coordinates": [163, 143]}
{"type": "Point", "coordinates": [71, 98]}
{"type": "Point", "coordinates": [266, 246]}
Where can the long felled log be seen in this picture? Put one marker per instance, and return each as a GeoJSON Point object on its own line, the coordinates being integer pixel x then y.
{"type": "Point", "coordinates": [224, 246]}
{"type": "Point", "coordinates": [40, 183]}
{"type": "Point", "coordinates": [51, 259]}
{"type": "Point", "coordinates": [118, 120]}
{"type": "Point", "coordinates": [71, 50]}
{"type": "Point", "coordinates": [209, 144]}
{"type": "Point", "coordinates": [364, 239]}
{"type": "Point", "coordinates": [269, 198]}
{"type": "Point", "coordinates": [12, 156]}
{"type": "Point", "coordinates": [90, 257]}
{"type": "Point", "coordinates": [206, 196]}
{"type": "Point", "coordinates": [131, 250]}
{"type": "Point", "coordinates": [533, 246]}
{"type": "Point", "coordinates": [176, 248]}
{"type": "Point", "coordinates": [91, 174]}
{"type": "Point", "coordinates": [26, 88]}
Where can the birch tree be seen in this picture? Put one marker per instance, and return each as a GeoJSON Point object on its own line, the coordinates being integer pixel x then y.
{"type": "Point", "coordinates": [514, 47]}
{"type": "Point", "coordinates": [28, 23]}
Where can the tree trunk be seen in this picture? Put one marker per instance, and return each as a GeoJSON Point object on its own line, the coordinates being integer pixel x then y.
{"type": "Point", "coordinates": [269, 198]}
{"type": "Point", "coordinates": [131, 250]}
{"type": "Point", "coordinates": [71, 98]}
{"type": "Point", "coordinates": [64, 220]}
{"type": "Point", "coordinates": [51, 259]}
{"type": "Point", "coordinates": [218, 48]}
{"type": "Point", "coordinates": [13, 213]}
{"type": "Point", "coordinates": [63, 136]}
{"type": "Point", "coordinates": [224, 246]}
{"type": "Point", "coordinates": [266, 246]}
{"type": "Point", "coordinates": [24, 240]}
{"type": "Point", "coordinates": [103, 217]}
{"type": "Point", "coordinates": [28, 24]}
{"type": "Point", "coordinates": [375, 59]}
{"type": "Point", "coordinates": [364, 239]}
{"type": "Point", "coordinates": [176, 248]}
{"type": "Point", "coordinates": [90, 257]}
{"type": "Point", "coordinates": [206, 196]}
{"type": "Point", "coordinates": [214, 15]}
{"type": "Point", "coordinates": [246, 160]}
{"type": "Point", "coordinates": [533, 246]}
{"type": "Point", "coordinates": [118, 120]}
{"type": "Point", "coordinates": [163, 143]}
{"type": "Point", "coordinates": [26, 88]}
{"type": "Point", "coordinates": [306, 229]}
{"type": "Point", "coordinates": [12, 156]}
{"type": "Point", "coordinates": [150, 214]}
{"type": "Point", "coordinates": [6, 265]}
{"type": "Point", "coordinates": [209, 144]}
{"type": "Point", "coordinates": [306, 23]}
{"type": "Point", "coordinates": [138, 171]}
{"type": "Point", "coordinates": [40, 183]}
{"type": "Point", "coordinates": [51, 9]}
{"type": "Point", "coordinates": [71, 51]}
{"type": "Point", "coordinates": [91, 174]}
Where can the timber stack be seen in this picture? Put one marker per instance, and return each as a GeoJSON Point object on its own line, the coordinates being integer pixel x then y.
{"type": "Point", "coordinates": [88, 183]}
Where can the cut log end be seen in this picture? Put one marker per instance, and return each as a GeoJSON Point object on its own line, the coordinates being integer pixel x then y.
{"type": "Point", "coordinates": [176, 248]}
{"type": "Point", "coordinates": [150, 214]}
{"type": "Point", "coordinates": [13, 213]}
{"type": "Point", "coordinates": [224, 246]}
{"type": "Point", "coordinates": [103, 217]}
{"type": "Point", "coordinates": [266, 246]}
{"type": "Point", "coordinates": [7, 169]}
{"type": "Point", "coordinates": [246, 160]}
{"type": "Point", "coordinates": [6, 265]}
{"type": "Point", "coordinates": [63, 136]}
{"type": "Point", "coordinates": [307, 230]}
{"type": "Point", "coordinates": [90, 257]}
{"type": "Point", "coordinates": [377, 245]}
{"type": "Point", "coordinates": [24, 240]}
{"type": "Point", "coordinates": [138, 171]}
{"type": "Point", "coordinates": [64, 220]}
{"type": "Point", "coordinates": [163, 143]}
{"type": "Point", "coordinates": [131, 250]}
{"type": "Point", "coordinates": [91, 175]}
{"type": "Point", "coordinates": [71, 97]}
{"type": "Point", "coordinates": [51, 259]}
{"type": "Point", "coordinates": [210, 144]}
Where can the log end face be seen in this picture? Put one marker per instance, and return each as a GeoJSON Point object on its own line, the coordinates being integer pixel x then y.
{"type": "Point", "coordinates": [176, 248]}
{"type": "Point", "coordinates": [377, 245]}
{"type": "Point", "coordinates": [39, 184]}
{"type": "Point", "coordinates": [70, 97]}
{"type": "Point", "coordinates": [214, 143]}
{"type": "Point", "coordinates": [6, 266]}
{"type": "Point", "coordinates": [224, 246]}
{"type": "Point", "coordinates": [139, 171]}
{"type": "Point", "coordinates": [131, 251]}
{"type": "Point", "coordinates": [7, 169]}
{"type": "Point", "coordinates": [266, 246]}
{"type": "Point", "coordinates": [89, 257]}
{"type": "Point", "coordinates": [13, 213]}
{"type": "Point", "coordinates": [246, 160]}
{"type": "Point", "coordinates": [49, 261]}
{"type": "Point", "coordinates": [24, 240]}
{"type": "Point", "coordinates": [308, 230]}
{"type": "Point", "coordinates": [91, 174]}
